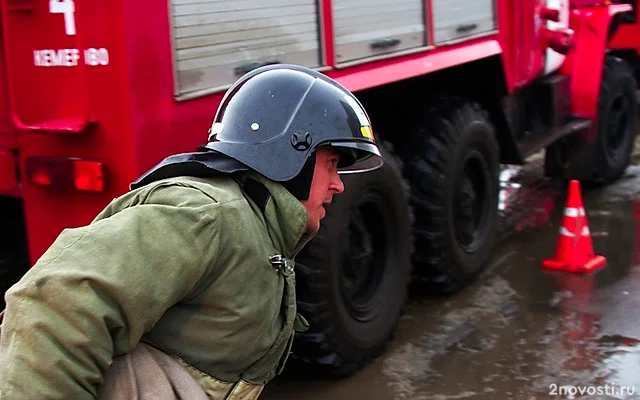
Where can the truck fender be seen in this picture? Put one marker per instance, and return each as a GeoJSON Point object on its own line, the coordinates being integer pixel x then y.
{"type": "Point", "coordinates": [584, 62]}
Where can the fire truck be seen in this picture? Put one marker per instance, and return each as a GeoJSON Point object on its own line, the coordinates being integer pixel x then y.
{"type": "Point", "coordinates": [94, 93]}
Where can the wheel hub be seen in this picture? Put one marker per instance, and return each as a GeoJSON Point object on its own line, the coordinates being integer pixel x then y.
{"type": "Point", "coordinates": [363, 261]}
{"type": "Point", "coordinates": [470, 200]}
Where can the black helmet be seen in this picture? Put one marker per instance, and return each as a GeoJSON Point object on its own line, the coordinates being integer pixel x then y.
{"type": "Point", "coordinates": [273, 118]}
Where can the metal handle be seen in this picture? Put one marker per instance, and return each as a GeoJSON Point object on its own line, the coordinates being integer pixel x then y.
{"type": "Point", "coordinates": [244, 68]}
{"type": "Point", "coordinates": [385, 43]}
{"type": "Point", "coordinates": [466, 27]}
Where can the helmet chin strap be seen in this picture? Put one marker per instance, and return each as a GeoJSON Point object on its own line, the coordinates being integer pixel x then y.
{"type": "Point", "coordinates": [300, 185]}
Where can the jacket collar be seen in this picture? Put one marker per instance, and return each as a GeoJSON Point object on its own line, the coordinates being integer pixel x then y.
{"type": "Point", "coordinates": [284, 215]}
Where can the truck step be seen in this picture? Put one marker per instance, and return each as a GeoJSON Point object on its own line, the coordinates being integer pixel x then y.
{"type": "Point", "coordinates": [540, 141]}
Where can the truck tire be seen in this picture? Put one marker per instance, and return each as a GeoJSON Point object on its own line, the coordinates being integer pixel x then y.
{"type": "Point", "coordinates": [353, 277]}
{"type": "Point", "coordinates": [617, 111]}
{"type": "Point", "coordinates": [453, 171]}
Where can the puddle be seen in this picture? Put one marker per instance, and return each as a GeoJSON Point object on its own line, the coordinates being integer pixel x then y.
{"type": "Point", "coordinates": [520, 332]}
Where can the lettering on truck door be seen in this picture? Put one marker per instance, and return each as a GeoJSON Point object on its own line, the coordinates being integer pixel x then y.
{"type": "Point", "coordinates": [69, 57]}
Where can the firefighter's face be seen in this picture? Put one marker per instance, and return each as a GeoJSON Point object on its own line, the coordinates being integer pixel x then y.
{"type": "Point", "coordinates": [325, 184]}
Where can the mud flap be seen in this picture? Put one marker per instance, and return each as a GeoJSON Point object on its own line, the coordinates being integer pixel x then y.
{"type": "Point", "coordinates": [580, 155]}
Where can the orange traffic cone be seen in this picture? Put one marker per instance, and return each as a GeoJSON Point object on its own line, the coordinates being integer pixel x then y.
{"type": "Point", "coordinates": [574, 251]}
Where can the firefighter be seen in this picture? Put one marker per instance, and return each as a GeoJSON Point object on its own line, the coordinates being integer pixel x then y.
{"type": "Point", "coordinates": [188, 280]}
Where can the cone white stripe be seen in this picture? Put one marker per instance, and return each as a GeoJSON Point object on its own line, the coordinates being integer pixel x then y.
{"type": "Point", "coordinates": [574, 212]}
{"type": "Point", "coordinates": [565, 232]}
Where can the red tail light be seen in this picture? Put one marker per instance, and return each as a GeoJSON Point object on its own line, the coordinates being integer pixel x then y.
{"type": "Point", "coordinates": [66, 173]}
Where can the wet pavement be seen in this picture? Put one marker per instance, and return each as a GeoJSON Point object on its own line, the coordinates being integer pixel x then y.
{"type": "Point", "coordinates": [519, 332]}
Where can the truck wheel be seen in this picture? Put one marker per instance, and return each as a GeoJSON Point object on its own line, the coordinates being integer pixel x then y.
{"type": "Point", "coordinates": [617, 108]}
{"type": "Point", "coordinates": [352, 278]}
{"type": "Point", "coordinates": [453, 171]}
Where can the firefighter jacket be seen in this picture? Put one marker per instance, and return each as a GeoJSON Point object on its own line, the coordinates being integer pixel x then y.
{"type": "Point", "coordinates": [200, 268]}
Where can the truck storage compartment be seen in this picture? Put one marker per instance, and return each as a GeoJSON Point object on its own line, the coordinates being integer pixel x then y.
{"type": "Point", "coordinates": [365, 28]}
{"type": "Point", "coordinates": [217, 41]}
{"type": "Point", "coordinates": [456, 19]}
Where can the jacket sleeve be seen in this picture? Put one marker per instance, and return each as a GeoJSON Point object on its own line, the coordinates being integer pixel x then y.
{"type": "Point", "coordinates": [96, 291]}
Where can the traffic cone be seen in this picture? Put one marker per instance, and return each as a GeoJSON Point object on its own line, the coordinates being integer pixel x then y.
{"type": "Point", "coordinates": [574, 251]}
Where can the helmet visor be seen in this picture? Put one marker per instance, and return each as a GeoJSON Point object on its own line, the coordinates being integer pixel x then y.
{"type": "Point", "coordinates": [357, 157]}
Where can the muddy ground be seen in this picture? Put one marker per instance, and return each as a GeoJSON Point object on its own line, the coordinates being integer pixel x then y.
{"type": "Point", "coordinates": [520, 332]}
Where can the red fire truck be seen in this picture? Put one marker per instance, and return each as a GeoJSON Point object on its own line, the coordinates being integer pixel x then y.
{"type": "Point", "coordinates": [96, 92]}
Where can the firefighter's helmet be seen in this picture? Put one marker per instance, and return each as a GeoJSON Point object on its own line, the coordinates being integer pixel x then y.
{"type": "Point", "coordinates": [273, 119]}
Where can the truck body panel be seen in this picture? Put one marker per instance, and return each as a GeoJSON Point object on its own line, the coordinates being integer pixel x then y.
{"type": "Point", "coordinates": [69, 98]}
